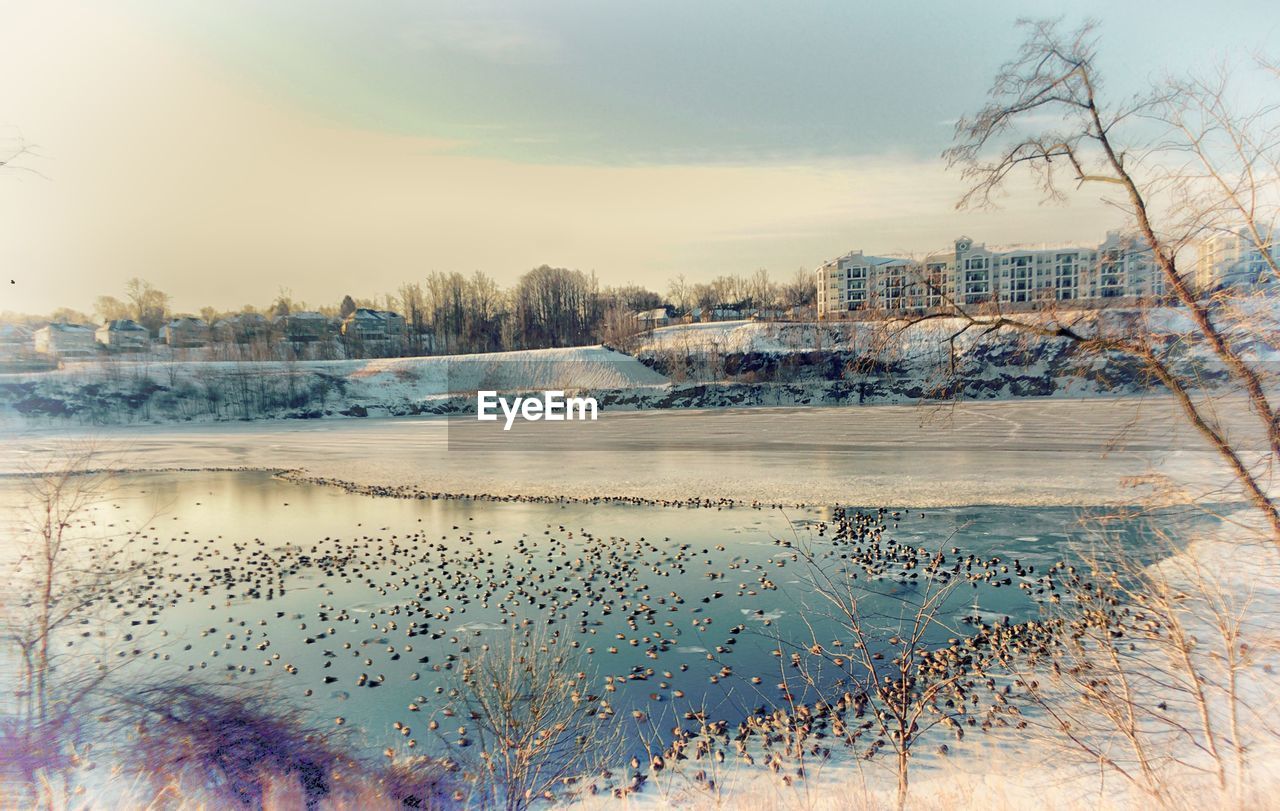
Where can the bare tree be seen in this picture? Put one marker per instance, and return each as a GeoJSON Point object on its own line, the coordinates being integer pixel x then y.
{"type": "Point", "coordinates": [110, 308]}
{"type": "Point", "coordinates": [760, 289]}
{"type": "Point", "coordinates": [678, 293]}
{"type": "Point", "coordinates": [150, 306]}
{"type": "Point", "coordinates": [65, 570]}
{"type": "Point", "coordinates": [902, 668]}
{"type": "Point", "coordinates": [553, 307]}
{"type": "Point", "coordinates": [801, 290]}
{"type": "Point", "coordinates": [13, 151]}
{"type": "Point", "coordinates": [413, 303]}
{"type": "Point", "coordinates": [1140, 149]}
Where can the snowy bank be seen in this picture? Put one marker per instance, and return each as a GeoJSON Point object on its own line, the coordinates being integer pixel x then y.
{"type": "Point", "coordinates": [123, 391]}
{"type": "Point", "coordinates": [717, 365]}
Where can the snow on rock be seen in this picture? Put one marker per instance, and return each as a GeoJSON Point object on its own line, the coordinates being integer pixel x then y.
{"type": "Point", "coordinates": [110, 391]}
{"type": "Point", "coordinates": [924, 338]}
{"type": "Point", "coordinates": [713, 365]}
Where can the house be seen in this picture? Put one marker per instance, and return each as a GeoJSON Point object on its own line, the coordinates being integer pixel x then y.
{"type": "Point", "coordinates": [648, 319]}
{"type": "Point", "coordinates": [124, 335]}
{"type": "Point", "coordinates": [185, 332]}
{"type": "Point", "coordinates": [17, 354]}
{"type": "Point", "coordinates": [62, 340]}
{"type": "Point", "coordinates": [303, 327]}
{"type": "Point", "coordinates": [705, 314]}
{"type": "Point", "coordinates": [14, 338]}
{"type": "Point", "coordinates": [244, 328]}
{"type": "Point", "coordinates": [367, 325]}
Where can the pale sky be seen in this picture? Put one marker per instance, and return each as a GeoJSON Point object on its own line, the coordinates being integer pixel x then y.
{"type": "Point", "coordinates": [225, 150]}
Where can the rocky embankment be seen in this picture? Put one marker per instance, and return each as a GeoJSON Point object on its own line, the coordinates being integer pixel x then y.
{"type": "Point", "coordinates": [680, 368]}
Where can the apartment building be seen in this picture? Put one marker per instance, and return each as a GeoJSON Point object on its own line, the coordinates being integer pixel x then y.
{"type": "Point", "coordinates": [972, 274]}
{"type": "Point", "coordinates": [1235, 259]}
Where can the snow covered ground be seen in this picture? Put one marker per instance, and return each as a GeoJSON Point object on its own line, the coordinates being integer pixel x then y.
{"type": "Point", "coordinates": [121, 391]}
{"type": "Point", "coordinates": [407, 378]}
{"type": "Point", "coordinates": [718, 365]}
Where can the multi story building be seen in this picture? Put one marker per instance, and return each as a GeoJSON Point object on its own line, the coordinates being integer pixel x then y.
{"type": "Point", "coordinates": [1235, 259]}
{"type": "Point", "coordinates": [972, 274]}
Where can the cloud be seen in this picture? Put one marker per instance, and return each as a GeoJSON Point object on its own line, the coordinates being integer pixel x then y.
{"type": "Point", "coordinates": [162, 166]}
{"type": "Point", "coordinates": [499, 40]}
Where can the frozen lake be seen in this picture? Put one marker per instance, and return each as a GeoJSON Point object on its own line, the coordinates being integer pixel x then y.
{"type": "Point", "coordinates": [1031, 452]}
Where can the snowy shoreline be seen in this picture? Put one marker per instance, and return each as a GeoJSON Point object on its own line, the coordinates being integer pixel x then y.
{"type": "Point", "coordinates": [695, 366]}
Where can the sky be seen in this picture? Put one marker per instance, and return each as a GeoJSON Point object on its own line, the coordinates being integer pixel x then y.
{"type": "Point", "coordinates": [228, 151]}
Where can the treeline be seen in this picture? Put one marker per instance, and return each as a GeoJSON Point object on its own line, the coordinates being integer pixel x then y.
{"type": "Point", "coordinates": [556, 307]}
{"type": "Point", "coordinates": [453, 313]}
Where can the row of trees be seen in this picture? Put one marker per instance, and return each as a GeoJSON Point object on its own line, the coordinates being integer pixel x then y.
{"type": "Point", "coordinates": [450, 312]}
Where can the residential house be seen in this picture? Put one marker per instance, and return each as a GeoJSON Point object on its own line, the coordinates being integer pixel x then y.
{"type": "Point", "coordinates": [303, 327]}
{"type": "Point", "coordinates": [369, 326]}
{"type": "Point", "coordinates": [243, 328]}
{"type": "Point", "coordinates": [705, 314]}
{"type": "Point", "coordinates": [124, 335]}
{"type": "Point", "coordinates": [61, 340]}
{"type": "Point", "coordinates": [185, 332]}
{"type": "Point", "coordinates": [648, 319]}
{"type": "Point", "coordinates": [14, 338]}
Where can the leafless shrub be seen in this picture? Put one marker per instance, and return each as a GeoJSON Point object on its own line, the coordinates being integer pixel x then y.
{"type": "Point", "coordinates": [901, 673]}
{"type": "Point", "coordinates": [527, 730]}
{"type": "Point", "coordinates": [65, 569]}
{"type": "Point", "coordinates": [883, 671]}
{"type": "Point", "coordinates": [1154, 677]}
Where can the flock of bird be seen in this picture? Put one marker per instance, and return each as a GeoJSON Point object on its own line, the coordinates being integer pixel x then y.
{"type": "Point", "coordinates": [664, 634]}
{"type": "Point", "coordinates": [409, 491]}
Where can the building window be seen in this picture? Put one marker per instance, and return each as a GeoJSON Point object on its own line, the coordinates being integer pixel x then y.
{"type": "Point", "coordinates": [1020, 282]}
{"type": "Point", "coordinates": [1065, 277]}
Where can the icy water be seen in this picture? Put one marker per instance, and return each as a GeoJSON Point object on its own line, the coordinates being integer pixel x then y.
{"type": "Point", "coordinates": [357, 607]}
